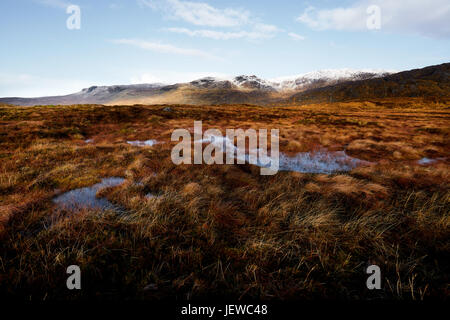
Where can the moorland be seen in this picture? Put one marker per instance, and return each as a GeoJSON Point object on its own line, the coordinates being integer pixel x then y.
{"type": "Point", "coordinates": [203, 231]}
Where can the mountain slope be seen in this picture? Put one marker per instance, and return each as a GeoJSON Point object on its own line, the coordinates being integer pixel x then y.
{"type": "Point", "coordinates": [94, 95]}
{"type": "Point", "coordinates": [240, 89]}
{"type": "Point", "coordinates": [317, 87]}
{"type": "Point", "coordinates": [322, 78]}
{"type": "Point", "coordinates": [431, 82]}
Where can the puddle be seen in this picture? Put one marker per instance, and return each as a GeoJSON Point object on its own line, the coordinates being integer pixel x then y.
{"type": "Point", "coordinates": [152, 196]}
{"type": "Point", "coordinates": [322, 161]}
{"type": "Point", "coordinates": [425, 161]}
{"type": "Point", "coordinates": [85, 198]}
{"type": "Point", "coordinates": [146, 143]}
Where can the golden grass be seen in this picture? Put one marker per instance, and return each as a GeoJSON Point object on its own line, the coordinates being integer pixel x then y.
{"type": "Point", "coordinates": [224, 230]}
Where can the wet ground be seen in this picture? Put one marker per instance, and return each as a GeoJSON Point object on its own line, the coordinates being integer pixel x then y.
{"type": "Point", "coordinates": [145, 143]}
{"type": "Point", "coordinates": [86, 198]}
{"type": "Point", "coordinates": [321, 161]}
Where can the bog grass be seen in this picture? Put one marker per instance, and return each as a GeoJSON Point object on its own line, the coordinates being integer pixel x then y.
{"type": "Point", "coordinates": [224, 230]}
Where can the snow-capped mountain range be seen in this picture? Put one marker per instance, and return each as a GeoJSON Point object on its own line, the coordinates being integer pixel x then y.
{"type": "Point", "coordinates": [243, 88]}
{"type": "Point", "coordinates": [293, 83]}
{"type": "Point", "coordinates": [324, 86]}
{"type": "Point", "coordinates": [329, 76]}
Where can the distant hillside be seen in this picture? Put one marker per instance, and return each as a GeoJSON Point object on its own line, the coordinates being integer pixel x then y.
{"type": "Point", "coordinates": [240, 89]}
{"type": "Point", "coordinates": [314, 87]}
{"type": "Point", "coordinates": [431, 82]}
{"type": "Point", "coordinates": [93, 95]}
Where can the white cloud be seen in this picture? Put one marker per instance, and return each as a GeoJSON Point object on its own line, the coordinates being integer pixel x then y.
{"type": "Point", "coordinates": [257, 33]}
{"type": "Point", "coordinates": [172, 77]}
{"type": "Point", "coordinates": [295, 36]}
{"type": "Point", "coordinates": [244, 25]}
{"type": "Point", "coordinates": [54, 3]}
{"type": "Point", "coordinates": [202, 14]}
{"type": "Point", "coordinates": [339, 18]}
{"type": "Point", "coordinates": [165, 48]}
{"type": "Point", "coordinates": [27, 85]}
{"type": "Point", "coordinates": [429, 18]}
{"type": "Point", "coordinates": [267, 28]}
{"type": "Point", "coordinates": [199, 13]}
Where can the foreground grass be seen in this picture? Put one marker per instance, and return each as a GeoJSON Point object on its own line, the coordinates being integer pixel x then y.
{"type": "Point", "coordinates": [225, 231]}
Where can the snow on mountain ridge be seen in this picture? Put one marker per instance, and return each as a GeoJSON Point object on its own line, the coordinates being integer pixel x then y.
{"type": "Point", "coordinates": [296, 82]}
{"type": "Point", "coordinates": [116, 88]}
{"type": "Point", "coordinates": [331, 74]}
{"type": "Point", "coordinates": [324, 77]}
{"type": "Point", "coordinates": [327, 75]}
{"type": "Point", "coordinates": [252, 82]}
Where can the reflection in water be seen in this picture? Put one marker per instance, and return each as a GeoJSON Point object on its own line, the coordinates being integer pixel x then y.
{"type": "Point", "coordinates": [425, 161]}
{"type": "Point", "coordinates": [146, 143]}
{"type": "Point", "coordinates": [321, 161]}
{"type": "Point", "coordinates": [85, 198]}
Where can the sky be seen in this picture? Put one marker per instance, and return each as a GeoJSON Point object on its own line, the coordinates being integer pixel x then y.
{"type": "Point", "coordinates": [44, 51]}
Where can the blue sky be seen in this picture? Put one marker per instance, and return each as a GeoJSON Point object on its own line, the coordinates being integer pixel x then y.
{"type": "Point", "coordinates": [136, 41]}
